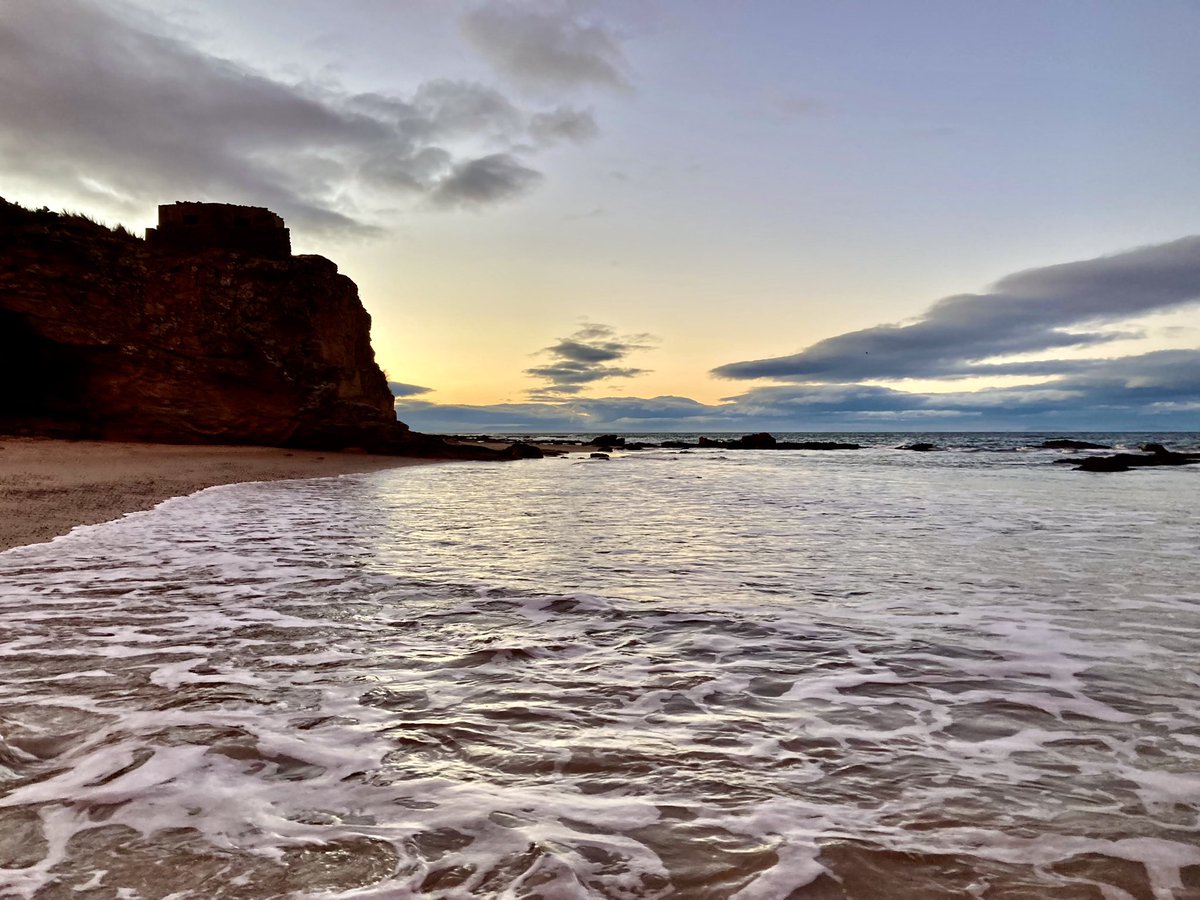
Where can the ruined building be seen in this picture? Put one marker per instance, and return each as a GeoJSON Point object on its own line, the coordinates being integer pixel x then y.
{"type": "Point", "coordinates": [189, 227]}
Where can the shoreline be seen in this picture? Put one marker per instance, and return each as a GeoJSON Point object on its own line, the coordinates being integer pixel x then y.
{"type": "Point", "coordinates": [49, 486]}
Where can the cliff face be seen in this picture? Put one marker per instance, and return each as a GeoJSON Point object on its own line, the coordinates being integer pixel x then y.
{"type": "Point", "coordinates": [104, 336]}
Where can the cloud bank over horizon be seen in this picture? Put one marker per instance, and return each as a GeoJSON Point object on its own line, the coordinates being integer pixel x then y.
{"type": "Point", "coordinates": [1086, 304]}
{"type": "Point", "coordinates": [1033, 311]}
{"type": "Point", "coordinates": [114, 107]}
{"type": "Point", "coordinates": [1157, 391]}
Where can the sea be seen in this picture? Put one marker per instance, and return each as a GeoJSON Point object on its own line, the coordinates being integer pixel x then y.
{"type": "Point", "coordinates": [695, 674]}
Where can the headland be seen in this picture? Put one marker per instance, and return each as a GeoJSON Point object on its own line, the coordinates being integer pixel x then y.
{"type": "Point", "coordinates": [206, 353]}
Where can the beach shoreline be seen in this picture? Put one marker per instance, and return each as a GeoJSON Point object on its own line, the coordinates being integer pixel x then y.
{"type": "Point", "coordinates": [49, 486]}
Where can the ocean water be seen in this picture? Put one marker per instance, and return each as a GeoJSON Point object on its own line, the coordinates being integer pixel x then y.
{"type": "Point", "coordinates": [706, 674]}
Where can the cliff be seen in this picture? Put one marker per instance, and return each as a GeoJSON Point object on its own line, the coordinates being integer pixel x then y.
{"type": "Point", "coordinates": [214, 339]}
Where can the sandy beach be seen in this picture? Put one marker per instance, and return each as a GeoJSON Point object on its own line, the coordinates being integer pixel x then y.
{"type": "Point", "coordinates": [47, 487]}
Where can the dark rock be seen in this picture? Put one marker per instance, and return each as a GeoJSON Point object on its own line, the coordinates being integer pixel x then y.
{"type": "Point", "coordinates": [921, 448]}
{"type": "Point", "coordinates": [521, 450]}
{"type": "Point", "coordinates": [764, 441]}
{"type": "Point", "coordinates": [760, 441]}
{"type": "Point", "coordinates": [1123, 462]}
{"type": "Point", "coordinates": [605, 448]}
{"type": "Point", "coordinates": [678, 445]}
{"type": "Point", "coordinates": [1068, 444]}
{"type": "Point", "coordinates": [612, 439]}
{"type": "Point", "coordinates": [212, 332]}
{"type": "Point", "coordinates": [1120, 462]}
{"type": "Point", "coordinates": [599, 456]}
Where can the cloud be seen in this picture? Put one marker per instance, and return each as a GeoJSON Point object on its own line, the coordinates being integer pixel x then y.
{"type": "Point", "coordinates": [1157, 391]}
{"type": "Point", "coordinates": [489, 179]}
{"type": "Point", "coordinates": [546, 45]}
{"type": "Point", "coordinates": [125, 114]}
{"type": "Point", "coordinates": [1038, 310]}
{"type": "Point", "coordinates": [563, 124]}
{"type": "Point", "coordinates": [584, 358]}
{"type": "Point", "coordinates": [400, 389]}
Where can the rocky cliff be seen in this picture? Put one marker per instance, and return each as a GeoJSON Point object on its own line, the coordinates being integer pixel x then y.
{"type": "Point", "coordinates": [105, 335]}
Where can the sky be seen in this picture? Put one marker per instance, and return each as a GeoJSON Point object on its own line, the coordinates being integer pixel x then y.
{"type": "Point", "coordinates": [686, 215]}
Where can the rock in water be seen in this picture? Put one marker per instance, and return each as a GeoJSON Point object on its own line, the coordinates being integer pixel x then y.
{"type": "Point", "coordinates": [1157, 455]}
{"type": "Point", "coordinates": [1069, 444]}
{"type": "Point", "coordinates": [210, 331]}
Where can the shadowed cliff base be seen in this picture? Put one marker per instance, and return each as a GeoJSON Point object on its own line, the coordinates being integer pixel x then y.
{"type": "Point", "coordinates": [211, 332]}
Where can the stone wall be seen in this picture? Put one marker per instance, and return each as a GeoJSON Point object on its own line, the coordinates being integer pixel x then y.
{"type": "Point", "coordinates": [190, 227]}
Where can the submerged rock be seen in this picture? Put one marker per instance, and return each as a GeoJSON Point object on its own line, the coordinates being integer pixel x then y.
{"type": "Point", "coordinates": [921, 448]}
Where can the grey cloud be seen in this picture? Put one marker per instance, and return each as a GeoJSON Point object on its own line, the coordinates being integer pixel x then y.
{"type": "Point", "coordinates": [483, 181]}
{"type": "Point", "coordinates": [400, 389]}
{"type": "Point", "coordinates": [95, 104]}
{"type": "Point", "coordinates": [456, 109]}
{"type": "Point", "coordinates": [451, 419]}
{"type": "Point", "coordinates": [563, 124]}
{"type": "Point", "coordinates": [583, 358]}
{"type": "Point", "coordinates": [548, 44]}
{"type": "Point", "coordinates": [568, 376]}
{"type": "Point", "coordinates": [1094, 394]}
{"type": "Point", "coordinates": [1157, 391]}
{"type": "Point", "coordinates": [637, 409]}
{"type": "Point", "coordinates": [1028, 312]}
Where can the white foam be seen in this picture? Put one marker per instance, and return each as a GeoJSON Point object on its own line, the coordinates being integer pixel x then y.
{"type": "Point", "coordinates": [659, 663]}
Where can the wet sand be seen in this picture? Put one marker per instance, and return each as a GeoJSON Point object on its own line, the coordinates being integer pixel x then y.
{"type": "Point", "coordinates": [47, 487]}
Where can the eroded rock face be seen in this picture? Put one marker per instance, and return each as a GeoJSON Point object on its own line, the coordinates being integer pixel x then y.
{"type": "Point", "coordinates": [104, 336]}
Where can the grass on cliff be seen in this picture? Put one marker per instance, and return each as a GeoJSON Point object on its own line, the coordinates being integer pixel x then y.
{"type": "Point", "coordinates": [13, 215]}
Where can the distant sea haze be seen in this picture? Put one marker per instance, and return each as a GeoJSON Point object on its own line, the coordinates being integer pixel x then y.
{"type": "Point", "coordinates": [670, 673]}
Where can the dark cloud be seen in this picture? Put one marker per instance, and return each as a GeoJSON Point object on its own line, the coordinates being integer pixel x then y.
{"type": "Point", "coordinates": [584, 358]}
{"type": "Point", "coordinates": [546, 45]}
{"type": "Point", "coordinates": [563, 124]}
{"type": "Point", "coordinates": [98, 106]}
{"type": "Point", "coordinates": [400, 389]}
{"type": "Point", "coordinates": [483, 181]}
{"type": "Point", "coordinates": [1157, 391]}
{"type": "Point", "coordinates": [1119, 393]}
{"type": "Point", "coordinates": [450, 419]}
{"type": "Point", "coordinates": [1034, 311]}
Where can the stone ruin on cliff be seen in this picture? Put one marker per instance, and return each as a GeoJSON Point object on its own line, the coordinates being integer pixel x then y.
{"type": "Point", "coordinates": [189, 227]}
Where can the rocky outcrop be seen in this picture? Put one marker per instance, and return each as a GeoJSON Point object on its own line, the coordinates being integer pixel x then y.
{"type": "Point", "coordinates": [1070, 444]}
{"type": "Point", "coordinates": [187, 339]}
{"type": "Point", "coordinates": [1152, 455]}
{"type": "Point", "coordinates": [765, 441]}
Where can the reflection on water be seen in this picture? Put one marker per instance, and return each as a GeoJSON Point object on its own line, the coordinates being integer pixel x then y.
{"type": "Point", "coordinates": [681, 675]}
